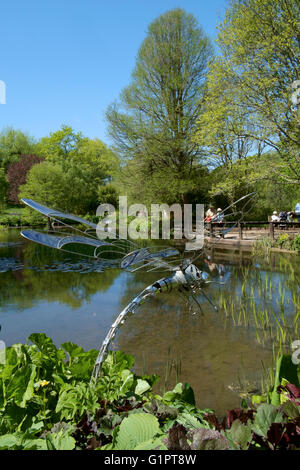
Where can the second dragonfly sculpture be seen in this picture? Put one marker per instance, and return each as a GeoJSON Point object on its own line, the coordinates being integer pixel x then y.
{"type": "Point", "coordinates": [183, 274]}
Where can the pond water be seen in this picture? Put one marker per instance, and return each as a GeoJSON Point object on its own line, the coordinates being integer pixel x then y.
{"type": "Point", "coordinates": [218, 353]}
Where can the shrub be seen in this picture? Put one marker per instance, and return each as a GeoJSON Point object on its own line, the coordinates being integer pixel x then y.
{"type": "Point", "coordinates": [282, 239]}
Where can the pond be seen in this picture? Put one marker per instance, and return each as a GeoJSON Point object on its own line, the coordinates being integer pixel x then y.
{"type": "Point", "coordinates": [221, 354]}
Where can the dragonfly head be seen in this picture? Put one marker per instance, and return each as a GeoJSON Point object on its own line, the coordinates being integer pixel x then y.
{"type": "Point", "coordinates": [195, 276]}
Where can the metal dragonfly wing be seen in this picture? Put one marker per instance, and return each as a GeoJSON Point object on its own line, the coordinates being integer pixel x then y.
{"type": "Point", "coordinates": [86, 242]}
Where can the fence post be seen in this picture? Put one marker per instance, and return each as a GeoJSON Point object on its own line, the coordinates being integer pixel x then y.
{"type": "Point", "coordinates": [241, 230]}
{"type": "Point", "coordinates": [271, 230]}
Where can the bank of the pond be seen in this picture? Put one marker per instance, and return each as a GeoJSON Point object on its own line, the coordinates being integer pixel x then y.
{"type": "Point", "coordinates": [284, 243]}
{"type": "Point", "coordinates": [256, 240]}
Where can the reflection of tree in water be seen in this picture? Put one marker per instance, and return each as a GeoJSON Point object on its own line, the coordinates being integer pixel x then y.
{"type": "Point", "coordinates": [50, 275]}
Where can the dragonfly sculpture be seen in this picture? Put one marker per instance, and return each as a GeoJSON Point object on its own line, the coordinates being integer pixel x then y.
{"type": "Point", "coordinates": [183, 274]}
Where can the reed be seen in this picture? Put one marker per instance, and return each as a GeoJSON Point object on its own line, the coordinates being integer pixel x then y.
{"type": "Point", "coordinates": [268, 306]}
{"type": "Point", "coordinates": [173, 366]}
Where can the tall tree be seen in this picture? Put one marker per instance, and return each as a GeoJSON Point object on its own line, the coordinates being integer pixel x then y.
{"type": "Point", "coordinates": [259, 42]}
{"type": "Point", "coordinates": [153, 123]}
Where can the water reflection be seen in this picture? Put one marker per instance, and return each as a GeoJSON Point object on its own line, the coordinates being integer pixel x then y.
{"type": "Point", "coordinates": [72, 299]}
{"type": "Point", "coordinates": [212, 357]}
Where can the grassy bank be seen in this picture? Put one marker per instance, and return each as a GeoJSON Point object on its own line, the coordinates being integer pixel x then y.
{"type": "Point", "coordinates": [15, 216]}
{"type": "Point", "coordinates": [284, 242]}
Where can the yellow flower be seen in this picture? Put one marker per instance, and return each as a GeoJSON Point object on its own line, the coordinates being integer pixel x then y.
{"type": "Point", "coordinates": [44, 383]}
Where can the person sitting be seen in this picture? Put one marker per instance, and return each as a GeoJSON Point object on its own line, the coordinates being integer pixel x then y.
{"type": "Point", "coordinates": [291, 216]}
{"type": "Point", "coordinates": [283, 216]}
{"type": "Point", "coordinates": [275, 217]}
{"type": "Point", "coordinates": [210, 213]}
{"type": "Point", "coordinates": [219, 217]}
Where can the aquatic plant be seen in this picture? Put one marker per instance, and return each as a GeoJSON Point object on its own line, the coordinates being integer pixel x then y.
{"type": "Point", "coordinates": [296, 242]}
{"type": "Point", "coordinates": [269, 310]}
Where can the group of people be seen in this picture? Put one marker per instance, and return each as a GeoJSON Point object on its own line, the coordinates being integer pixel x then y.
{"type": "Point", "coordinates": [212, 216]}
{"type": "Point", "coordinates": [284, 216]}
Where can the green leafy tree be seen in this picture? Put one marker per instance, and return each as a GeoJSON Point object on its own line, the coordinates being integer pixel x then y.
{"type": "Point", "coordinates": [259, 61]}
{"type": "Point", "coordinates": [65, 145]}
{"type": "Point", "coordinates": [75, 169]}
{"type": "Point", "coordinates": [72, 190]}
{"type": "Point", "coordinates": [252, 174]}
{"type": "Point", "coordinates": [153, 123]}
{"type": "Point", "coordinates": [46, 183]}
{"type": "Point", "coordinates": [60, 145]}
{"type": "Point", "coordinates": [224, 128]}
{"type": "Point", "coordinates": [13, 144]}
{"type": "Point", "coordinates": [95, 152]}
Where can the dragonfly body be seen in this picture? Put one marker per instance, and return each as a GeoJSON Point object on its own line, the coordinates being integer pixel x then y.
{"type": "Point", "coordinates": [186, 279]}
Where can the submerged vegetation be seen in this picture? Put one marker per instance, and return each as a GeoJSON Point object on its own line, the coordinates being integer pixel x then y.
{"type": "Point", "coordinates": [48, 402]}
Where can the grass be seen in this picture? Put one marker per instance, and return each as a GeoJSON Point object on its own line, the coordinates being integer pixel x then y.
{"type": "Point", "coordinates": [13, 210]}
{"type": "Point", "coordinates": [15, 216]}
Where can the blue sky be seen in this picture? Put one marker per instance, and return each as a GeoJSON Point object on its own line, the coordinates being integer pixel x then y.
{"type": "Point", "coordinates": [65, 61]}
